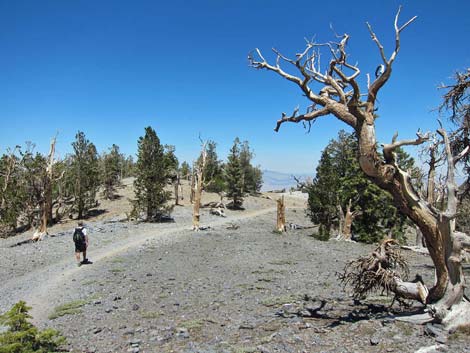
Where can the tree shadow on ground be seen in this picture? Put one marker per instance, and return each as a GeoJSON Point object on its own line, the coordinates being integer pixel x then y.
{"type": "Point", "coordinates": [340, 311]}
{"type": "Point", "coordinates": [95, 213]}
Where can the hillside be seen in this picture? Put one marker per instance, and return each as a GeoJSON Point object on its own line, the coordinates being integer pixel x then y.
{"type": "Point", "coordinates": [165, 288]}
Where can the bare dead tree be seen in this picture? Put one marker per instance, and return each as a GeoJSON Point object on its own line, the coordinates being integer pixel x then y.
{"type": "Point", "coordinates": [46, 203]}
{"type": "Point", "coordinates": [197, 185]}
{"type": "Point", "coordinates": [340, 95]}
{"type": "Point", "coordinates": [457, 102]}
{"type": "Point", "coordinates": [302, 185]}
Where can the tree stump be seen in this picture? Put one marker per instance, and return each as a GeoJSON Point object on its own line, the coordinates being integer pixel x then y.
{"type": "Point", "coordinates": [281, 215]}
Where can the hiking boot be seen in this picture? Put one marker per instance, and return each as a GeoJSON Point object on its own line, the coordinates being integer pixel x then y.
{"type": "Point", "coordinates": [86, 262]}
{"type": "Point", "coordinates": [79, 264]}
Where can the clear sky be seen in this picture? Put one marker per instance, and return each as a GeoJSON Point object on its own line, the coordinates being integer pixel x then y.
{"type": "Point", "coordinates": [110, 68]}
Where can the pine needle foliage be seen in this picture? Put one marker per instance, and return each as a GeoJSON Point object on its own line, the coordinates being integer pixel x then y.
{"type": "Point", "coordinates": [23, 337]}
{"type": "Point", "coordinates": [83, 175]}
{"type": "Point", "coordinates": [112, 167]}
{"type": "Point", "coordinates": [153, 170]}
{"type": "Point", "coordinates": [234, 175]}
{"type": "Point", "coordinates": [339, 179]}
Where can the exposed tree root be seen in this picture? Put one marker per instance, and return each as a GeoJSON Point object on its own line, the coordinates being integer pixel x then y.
{"type": "Point", "coordinates": [380, 270]}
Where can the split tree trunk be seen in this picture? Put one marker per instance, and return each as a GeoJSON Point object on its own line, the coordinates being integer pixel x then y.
{"type": "Point", "coordinates": [346, 221]}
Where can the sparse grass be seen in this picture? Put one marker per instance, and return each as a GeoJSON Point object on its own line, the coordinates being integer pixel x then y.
{"type": "Point", "coordinates": [150, 315]}
{"type": "Point", "coordinates": [116, 270]}
{"type": "Point", "coordinates": [117, 260]}
{"type": "Point", "coordinates": [248, 286]}
{"type": "Point", "coordinates": [70, 308]}
{"type": "Point", "coordinates": [192, 324]}
{"type": "Point", "coordinates": [273, 301]}
{"type": "Point", "coordinates": [89, 282]}
{"type": "Point", "coordinates": [405, 328]}
{"type": "Point", "coordinates": [245, 350]}
{"type": "Point", "coordinates": [462, 333]}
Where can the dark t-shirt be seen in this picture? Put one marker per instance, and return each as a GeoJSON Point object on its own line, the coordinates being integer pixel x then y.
{"type": "Point", "coordinates": [81, 246]}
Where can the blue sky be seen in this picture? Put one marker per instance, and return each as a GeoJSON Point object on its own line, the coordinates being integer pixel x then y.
{"type": "Point", "coordinates": [110, 68]}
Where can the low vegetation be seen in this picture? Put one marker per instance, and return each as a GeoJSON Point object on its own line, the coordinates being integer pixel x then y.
{"type": "Point", "coordinates": [23, 337]}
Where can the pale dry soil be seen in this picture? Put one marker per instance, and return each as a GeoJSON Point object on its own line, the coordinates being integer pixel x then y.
{"type": "Point", "coordinates": [165, 288]}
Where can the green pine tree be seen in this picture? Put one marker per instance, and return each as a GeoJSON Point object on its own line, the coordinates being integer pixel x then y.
{"type": "Point", "coordinates": [12, 191]}
{"type": "Point", "coordinates": [83, 176]}
{"type": "Point", "coordinates": [111, 173]}
{"type": "Point", "coordinates": [213, 173]}
{"type": "Point", "coordinates": [234, 175]}
{"type": "Point", "coordinates": [339, 179]}
{"type": "Point", "coordinates": [252, 176]}
{"type": "Point", "coordinates": [153, 170]}
{"type": "Point", "coordinates": [24, 337]}
{"type": "Point", "coordinates": [185, 170]}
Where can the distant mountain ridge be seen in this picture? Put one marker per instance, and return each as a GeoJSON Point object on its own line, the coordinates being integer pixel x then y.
{"type": "Point", "coordinates": [273, 180]}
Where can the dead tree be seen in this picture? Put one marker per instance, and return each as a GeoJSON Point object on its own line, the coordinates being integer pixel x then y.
{"type": "Point", "coordinates": [340, 95]}
{"type": "Point", "coordinates": [197, 185]}
{"type": "Point", "coordinates": [192, 185]}
{"type": "Point", "coordinates": [45, 204]}
{"type": "Point", "coordinates": [346, 221]}
{"type": "Point", "coordinates": [281, 215]}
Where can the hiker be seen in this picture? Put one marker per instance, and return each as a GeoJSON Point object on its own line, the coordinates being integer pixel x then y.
{"type": "Point", "coordinates": [80, 239]}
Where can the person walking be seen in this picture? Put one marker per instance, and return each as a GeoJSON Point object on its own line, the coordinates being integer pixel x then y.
{"type": "Point", "coordinates": [80, 238]}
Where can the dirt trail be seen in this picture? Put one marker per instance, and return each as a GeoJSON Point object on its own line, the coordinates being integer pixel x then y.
{"type": "Point", "coordinates": [42, 297]}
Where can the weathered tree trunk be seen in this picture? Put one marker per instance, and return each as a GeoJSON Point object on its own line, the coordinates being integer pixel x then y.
{"type": "Point", "coordinates": [197, 207]}
{"type": "Point", "coordinates": [176, 185]}
{"type": "Point", "coordinates": [340, 222]}
{"type": "Point", "coordinates": [443, 244]}
{"type": "Point", "coordinates": [346, 221]}
{"type": "Point", "coordinates": [193, 186]}
{"type": "Point", "coordinates": [431, 181]}
{"type": "Point", "coordinates": [198, 188]}
{"type": "Point", "coordinates": [281, 215]}
{"type": "Point", "coordinates": [46, 199]}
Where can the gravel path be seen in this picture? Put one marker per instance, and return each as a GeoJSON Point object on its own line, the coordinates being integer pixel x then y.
{"type": "Point", "coordinates": [164, 288]}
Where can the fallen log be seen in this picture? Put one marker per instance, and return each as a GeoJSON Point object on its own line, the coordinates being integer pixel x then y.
{"type": "Point", "coordinates": [217, 212]}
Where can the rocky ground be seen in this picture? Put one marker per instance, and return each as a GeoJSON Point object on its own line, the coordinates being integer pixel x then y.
{"type": "Point", "coordinates": [164, 288]}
